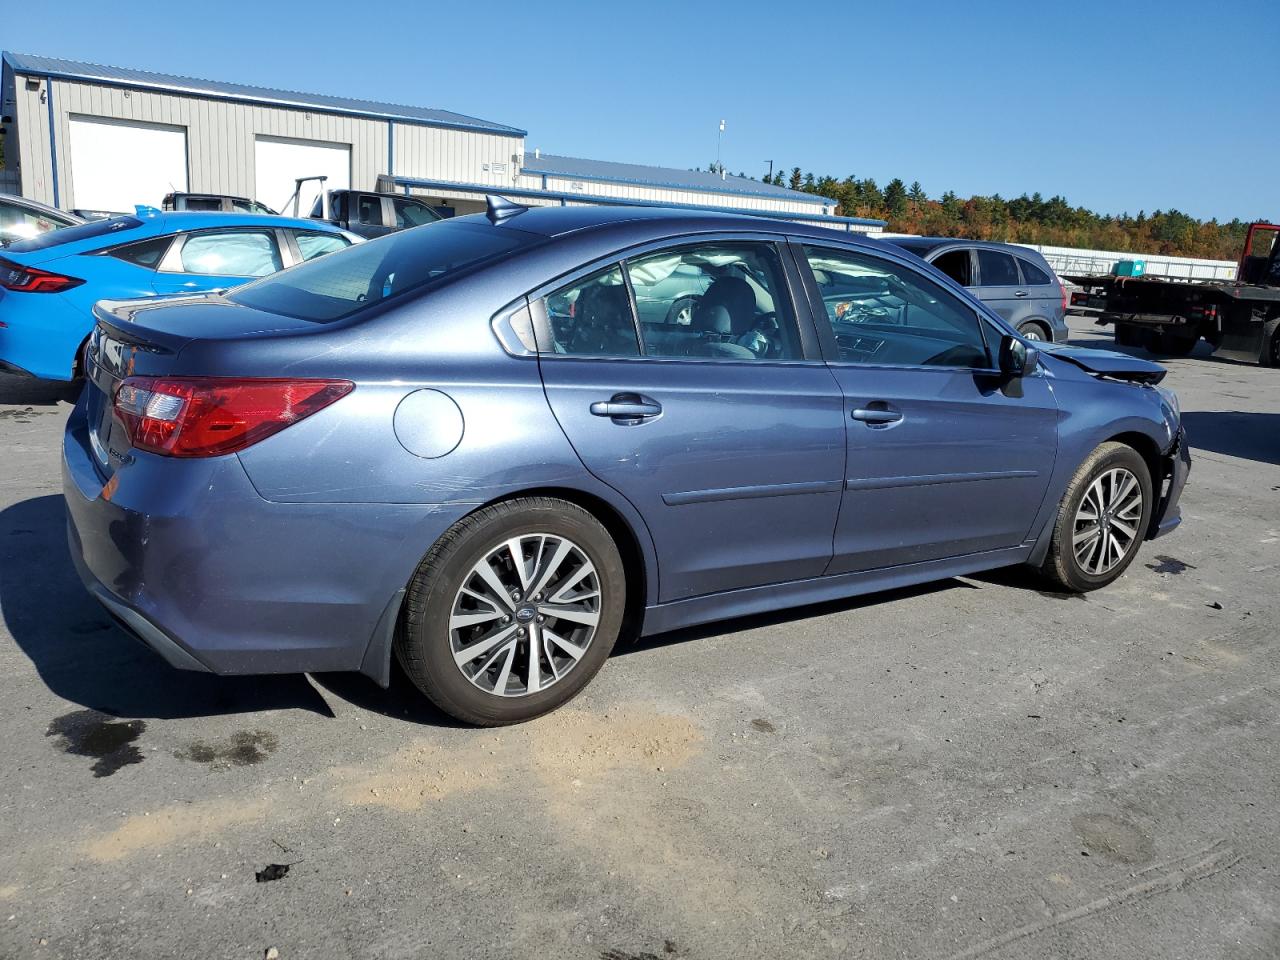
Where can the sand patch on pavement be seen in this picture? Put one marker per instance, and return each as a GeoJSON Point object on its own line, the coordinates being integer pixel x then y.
{"type": "Point", "coordinates": [189, 822]}
{"type": "Point", "coordinates": [560, 749]}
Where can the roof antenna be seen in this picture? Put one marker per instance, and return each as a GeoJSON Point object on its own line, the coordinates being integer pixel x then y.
{"type": "Point", "coordinates": [500, 208]}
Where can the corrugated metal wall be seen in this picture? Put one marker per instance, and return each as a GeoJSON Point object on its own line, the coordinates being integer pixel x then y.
{"type": "Point", "coordinates": [221, 138]}
{"type": "Point", "coordinates": [220, 134]}
{"type": "Point", "coordinates": [435, 153]}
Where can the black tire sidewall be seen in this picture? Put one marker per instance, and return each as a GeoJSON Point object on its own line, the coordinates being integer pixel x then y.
{"type": "Point", "coordinates": [424, 647]}
{"type": "Point", "coordinates": [1098, 463]}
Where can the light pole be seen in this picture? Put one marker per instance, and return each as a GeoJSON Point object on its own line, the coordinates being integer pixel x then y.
{"type": "Point", "coordinates": [719, 138]}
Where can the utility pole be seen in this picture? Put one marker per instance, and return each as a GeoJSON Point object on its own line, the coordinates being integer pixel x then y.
{"type": "Point", "coordinates": [719, 138]}
{"type": "Point", "coordinates": [768, 178]}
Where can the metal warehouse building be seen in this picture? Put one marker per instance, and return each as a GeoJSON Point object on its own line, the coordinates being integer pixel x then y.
{"type": "Point", "coordinates": [84, 136]}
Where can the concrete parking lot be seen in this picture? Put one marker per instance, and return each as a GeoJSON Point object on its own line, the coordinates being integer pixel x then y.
{"type": "Point", "coordinates": [976, 768]}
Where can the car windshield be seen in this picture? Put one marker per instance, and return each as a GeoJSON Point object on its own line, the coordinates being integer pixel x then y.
{"type": "Point", "coordinates": [348, 281]}
{"type": "Point", "coordinates": [84, 231]}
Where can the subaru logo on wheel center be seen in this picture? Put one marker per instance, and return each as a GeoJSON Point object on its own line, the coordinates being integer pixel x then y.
{"type": "Point", "coordinates": [525, 614]}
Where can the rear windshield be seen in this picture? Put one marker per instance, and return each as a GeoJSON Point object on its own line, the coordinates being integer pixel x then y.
{"type": "Point", "coordinates": [83, 231]}
{"type": "Point", "coordinates": [347, 281]}
{"type": "Point", "coordinates": [918, 247]}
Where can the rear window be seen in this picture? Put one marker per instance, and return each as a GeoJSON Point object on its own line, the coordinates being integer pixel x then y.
{"type": "Point", "coordinates": [918, 247]}
{"type": "Point", "coordinates": [84, 231]}
{"type": "Point", "coordinates": [1032, 275]}
{"type": "Point", "coordinates": [345, 282]}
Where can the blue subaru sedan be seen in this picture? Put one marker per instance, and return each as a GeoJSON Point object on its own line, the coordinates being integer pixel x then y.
{"type": "Point", "coordinates": [470, 448]}
{"type": "Point", "coordinates": [49, 283]}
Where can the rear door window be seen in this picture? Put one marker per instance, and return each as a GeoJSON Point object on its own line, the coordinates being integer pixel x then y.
{"type": "Point", "coordinates": [718, 300]}
{"type": "Point", "coordinates": [1032, 275]}
{"type": "Point", "coordinates": [592, 317]}
{"type": "Point", "coordinates": [230, 253]}
{"type": "Point", "coordinates": [997, 269]}
{"type": "Point", "coordinates": [958, 265]}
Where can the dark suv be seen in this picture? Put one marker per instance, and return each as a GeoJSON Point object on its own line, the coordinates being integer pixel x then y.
{"type": "Point", "coordinates": [1014, 281]}
{"type": "Point", "coordinates": [213, 202]}
{"type": "Point", "coordinates": [368, 213]}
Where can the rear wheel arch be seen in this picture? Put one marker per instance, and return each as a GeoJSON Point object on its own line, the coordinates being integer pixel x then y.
{"type": "Point", "coordinates": [635, 558]}
{"type": "Point", "coordinates": [638, 558]}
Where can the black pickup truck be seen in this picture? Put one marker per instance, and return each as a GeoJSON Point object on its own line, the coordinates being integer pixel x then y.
{"type": "Point", "coordinates": [1239, 318]}
{"type": "Point", "coordinates": [371, 214]}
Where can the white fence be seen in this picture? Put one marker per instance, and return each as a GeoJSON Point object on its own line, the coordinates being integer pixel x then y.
{"type": "Point", "coordinates": [1093, 262]}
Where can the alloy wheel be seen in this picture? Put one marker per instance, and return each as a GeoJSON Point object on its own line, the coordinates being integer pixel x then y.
{"type": "Point", "coordinates": [1106, 523]}
{"type": "Point", "coordinates": [525, 614]}
{"type": "Point", "coordinates": [1032, 333]}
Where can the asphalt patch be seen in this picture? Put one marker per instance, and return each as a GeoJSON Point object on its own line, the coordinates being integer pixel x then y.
{"type": "Point", "coordinates": [764, 726]}
{"type": "Point", "coordinates": [89, 733]}
{"type": "Point", "coordinates": [272, 871]}
{"type": "Point", "coordinates": [243, 749]}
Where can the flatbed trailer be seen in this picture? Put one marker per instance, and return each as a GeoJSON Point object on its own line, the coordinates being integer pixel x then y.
{"type": "Point", "coordinates": [1239, 318]}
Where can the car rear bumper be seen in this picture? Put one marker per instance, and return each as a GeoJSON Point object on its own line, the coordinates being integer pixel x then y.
{"type": "Point", "coordinates": [192, 561]}
{"type": "Point", "coordinates": [1177, 467]}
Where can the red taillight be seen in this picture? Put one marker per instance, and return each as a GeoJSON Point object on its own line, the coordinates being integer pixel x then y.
{"type": "Point", "coordinates": [22, 279]}
{"type": "Point", "coordinates": [211, 416]}
{"type": "Point", "coordinates": [1065, 300]}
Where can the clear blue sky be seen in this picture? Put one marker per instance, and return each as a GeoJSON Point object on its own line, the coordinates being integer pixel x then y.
{"type": "Point", "coordinates": [1119, 106]}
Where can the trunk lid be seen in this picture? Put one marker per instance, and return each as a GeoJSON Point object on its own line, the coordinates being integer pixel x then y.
{"type": "Point", "coordinates": [144, 338]}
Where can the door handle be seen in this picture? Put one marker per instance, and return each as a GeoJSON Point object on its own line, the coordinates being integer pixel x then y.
{"type": "Point", "coordinates": [626, 408]}
{"type": "Point", "coordinates": [876, 415]}
{"type": "Point", "coordinates": [1020, 293]}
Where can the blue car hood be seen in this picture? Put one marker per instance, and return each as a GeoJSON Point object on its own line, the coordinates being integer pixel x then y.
{"type": "Point", "coordinates": [1107, 363]}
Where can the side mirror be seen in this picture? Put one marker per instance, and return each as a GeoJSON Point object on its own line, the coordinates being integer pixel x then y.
{"type": "Point", "coordinates": [1017, 359]}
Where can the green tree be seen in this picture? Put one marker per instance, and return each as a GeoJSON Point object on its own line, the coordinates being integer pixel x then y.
{"type": "Point", "coordinates": [796, 178]}
{"type": "Point", "coordinates": [895, 198]}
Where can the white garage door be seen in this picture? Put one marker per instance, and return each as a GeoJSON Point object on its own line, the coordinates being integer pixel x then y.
{"type": "Point", "coordinates": [279, 162]}
{"type": "Point", "coordinates": [116, 164]}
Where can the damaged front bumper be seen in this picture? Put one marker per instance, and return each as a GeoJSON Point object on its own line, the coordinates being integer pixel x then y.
{"type": "Point", "coordinates": [1173, 478]}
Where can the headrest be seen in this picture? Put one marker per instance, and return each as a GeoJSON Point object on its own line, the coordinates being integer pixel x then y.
{"type": "Point", "coordinates": [715, 319]}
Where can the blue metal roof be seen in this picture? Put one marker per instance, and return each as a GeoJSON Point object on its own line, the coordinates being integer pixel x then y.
{"type": "Point", "coordinates": [607, 171]}
{"type": "Point", "coordinates": [144, 79]}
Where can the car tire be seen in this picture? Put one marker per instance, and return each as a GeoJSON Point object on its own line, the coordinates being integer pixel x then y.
{"type": "Point", "coordinates": [681, 312]}
{"type": "Point", "coordinates": [1032, 330]}
{"type": "Point", "coordinates": [1174, 344]}
{"type": "Point", "coordinates": [450, 589]}
{"type": "Point", "coordinates": [1128, 336]}
{"type": "Point", "coordinates": [1077, 562]}
{"type": "Point", "coordinates": [1270, 353]}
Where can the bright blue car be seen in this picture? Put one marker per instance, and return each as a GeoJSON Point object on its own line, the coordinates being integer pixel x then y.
{"type": "Point", "coordinates": [49, 284]}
